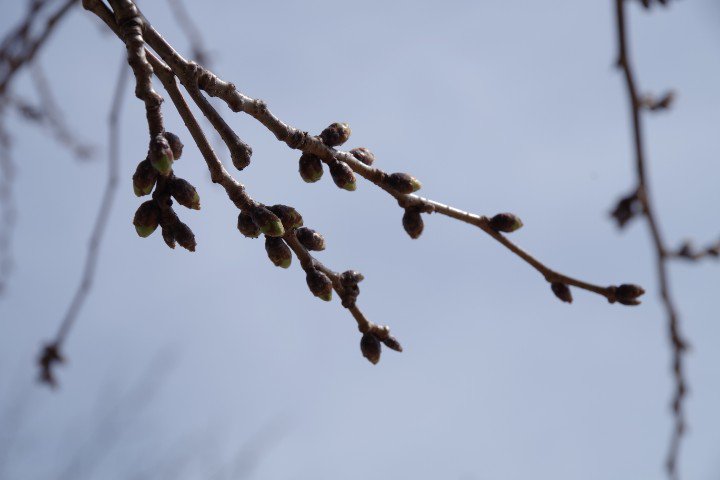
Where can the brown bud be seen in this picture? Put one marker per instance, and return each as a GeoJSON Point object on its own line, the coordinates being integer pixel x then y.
{"type": "Point", "coordinates": [175, 144]}
{"type": "Point", "coordinates": [403, 183]}
{"type": "Point", "coordinates": [146, 219]}
{"type": "Point", "coordinates": [246, 225]}
{"type": "Point", "coordinates": [626, 208]}
{"type": "Point", "coordinates": [310, 239]}
{"type": "Point", "coordinates": [310, 167]}
{"type": "Point", "coordinates": [370, 348]}
{"type": "Point", "coordinates": [278, 252]}
{"type": "Point", "coordinates": [184, 236]}
{"type": "Point", "coordinates": [241, 154]}
{"type": "Point", "coordinates": [392, 343]}
{"type": "Point", "coordinates": [144, 178]}
{"type": "Point", "coordinates": [319, 284]}
{"type": "Point", "coordinates": [562, 291]}
{"type": "Point", "coordinates": [289, 217]}
{"type": "Point", "coordinates": [351, 277]}
{"type": "Point", "coordinates": [342, 175]}
{"type": "Point", "coordinates": [267, 221]}
{"type": "Point", "coordinates": [184, 193]}
{"type": "Point", "coordinates": [168, 237]}
{"type": "Point", "coordinates": [627, 294]}
{"type": "Point", "coordinates": [364, 155]}
{"type": "Point", "coordinates": [336, 134]}
{"type": "Point", "coordinates": [505, 222]}
{"type": "Point", "coordinates": [413, 222]}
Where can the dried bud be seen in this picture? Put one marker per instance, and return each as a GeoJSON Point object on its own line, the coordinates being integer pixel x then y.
{"type": "Point", "coordinates": [370, 347]}
{"type": "Point", "coordinates": [50, 355]}
{"type": "Point", "coordinates": [246, 225]}
{"type": "Point", "coordinates": [161, 156]}
{"type": "Point", "coordinates": [184, 193]}
{"type": "Point", "coordinates": [626, 209]}
{"type": "Point", "coordinates": [351, 277]}
{"type": "Point", "coordinates": [319, 284]}
{"type": "Point", "coordinates": [403, 183]}
{"type": "Point", "coordinates": [336, 134]}
{"type": "Point", "coordinates": [413, 222]}
{"type": "Point", "coordinates": [289, 217]}
{"type": "Point", "coordinates": [562, 291]}
{"type": "Point", "coordinates": [392, 343]}
{"type": "Point", "coordinates": [147, 217]}
{"type": "Point", "coordinates": [278, 252]}
{"type": "Point", "coordinates": [310, 239]}
{"type": "Point", "coordinates": [686, 250]}
{"type": "Point", "coordinates": [505, 222]}
{"type": "Point", "coordinates": [311, 169]}
{"type": "Point", "coordinates": [627, 294]}
{"type": "Point", "coordinates": [364, 155]}
{"type": "Point", "coordinates": [184, 236]}
{"type": "Point", "coordinates": [664, 102]}
{"type": "Point", "coordinates": [144, 178]}
{"type": "Point", "coordinates": [267, 221]}
{"type": "Point", "coordinates": [342, 175]}
{"type": "Point", "coordinates": [175, 144]}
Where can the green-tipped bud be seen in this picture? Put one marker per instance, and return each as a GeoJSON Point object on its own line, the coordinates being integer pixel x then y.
{"type": "Point", "coordinates": [144, 178]}
{"type": "Point", "coordinates": [310, 239]}
{"type": "Point", "coordinates": [278, 252]}
{"type": "Point", "coordinates": [342, 175]}
{"type": "Point", "coordinates": [370, 347]}
{"type": "Point", "coordinates": [627, 294]}
{"type": "Point", "coordinates": [175, 144]}
{"type": "Point", "coordinates": [246, 225]}
{"type": "Point", "coordinates": [184, 236]}
{"type": "Point", "coordinates": [184, 193]}
{"type": "Point", "coordinates": [413, 222]}
{"type": "Point", "coordinates": [403, 183]}
{"type": "Point", "coordinates": [267, 221]}
{"type": "Point", "coordinates": [161, 155]}
{"type": "Point", "coordinates": [505, 222]}
{"type": "Point", "coordinates": [147, 217]}
{"type": "Point", "coordinates": [364, 155]}
{"type": "Point", "coordinates": [289, 217]}
{"type": "Point", "coordinates": [562, 291]}
{"type": "Point", "coordinates": [310, 167]}
{"type": "Point", "coordinates": [336, 134]}
{"type": "Point", "coordinates": [392, 343]}
{"type": "Point", "coordinates": [351, 277]}
{"type": "Point", "coordinates": [319, 284]}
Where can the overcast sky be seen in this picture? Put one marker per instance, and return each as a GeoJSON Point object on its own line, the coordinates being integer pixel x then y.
{"type": "Point", "coordinates": [495, 106]}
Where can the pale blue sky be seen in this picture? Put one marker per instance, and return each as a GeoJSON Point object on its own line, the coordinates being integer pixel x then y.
{"type": "Point", "coordinates": [495, 106]}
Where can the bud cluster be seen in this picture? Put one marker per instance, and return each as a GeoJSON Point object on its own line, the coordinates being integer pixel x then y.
{"type": "Point", "coordinates": [370, 344]}
{"type": "Point", "coordinates": [349, 280]}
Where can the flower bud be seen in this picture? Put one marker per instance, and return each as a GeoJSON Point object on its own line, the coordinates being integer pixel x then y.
{"type": "Point", "coordinates": [147, 217]}
{"type": "Point", "coordinates": [627, 294]}
{"type": "Point", "coordinates": [319, 284]}
{"type": "Point", "coordinates": [403, 183]}
{"type": "Point", "coordinates": [184, 193]}
{"type": "Point", "coordinates": [342, 175]}
{"type": "Point", "coordinates": [562, 291]}
{"type": "Point", "coordinates": [184, 236]}
{"type": "Point", "coordinates": [310, 239]}
{"type": "Point", "coordinates": [241, 155]}
{"type": "Point", "coordinates": [363, 155]}
{"type": "Point", "coordinates": [175, 144]}
{"type": "Point", "coordinates": [278, 252]}
{"type": "Point", "coordinates": [370, 347]}
{"type": "Point", "coordinates": [311, 169]}
{"type": "Point", "coordinates": [351, 277]}
{"type": "Point", "coordinates": [168, 237]}
{"type": "Point", "coordinates": [626, 208]}
{"type": "Point", "coordinates": [392, 343]}
{"type": "Point", "coordinates": [505, 222]}
{"type": "Point", "coordinates": [161, 155]}
{"type": "Point", "coordinates": [267, 221]}
{"type": "Point", "coordinates": [246, 225]}
{"type": "Point", "coordinates": [144, 178]}
{"type": "Point", "coordinates": [289, 217]}
{"type": "Point", "coordinates": [336, 134]}
{"type": "Point", "coordinates": [413, 222]}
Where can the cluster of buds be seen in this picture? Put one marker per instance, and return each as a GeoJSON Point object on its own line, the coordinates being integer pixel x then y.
{"type": "Point", "coordinates": [310, 166]}
{"type": "Point", "coordinates": [372, 340]}
{"type": "Point", "coordinates": [626, 208]}
{"type": "Point", "coordinates": [351, 290]}
{"type": "Point", "coordinates": [155, 172]}
{"type": "Point", "coordinates": [273, 222]}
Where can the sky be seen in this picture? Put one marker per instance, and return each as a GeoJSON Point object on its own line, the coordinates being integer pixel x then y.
{"type": "Point", "coordinates": [181, 360]}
